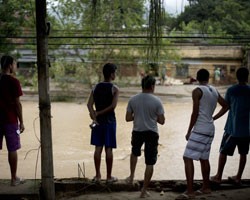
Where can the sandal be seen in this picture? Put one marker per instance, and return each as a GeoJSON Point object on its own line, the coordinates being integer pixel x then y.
{"type": "Point", "coordinates": [201, 192]}
{"type": "Point", "coordinates": [184, 196]}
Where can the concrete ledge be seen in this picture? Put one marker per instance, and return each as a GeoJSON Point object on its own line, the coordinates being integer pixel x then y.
{"type": "Point", "coordinates": [28, 190]}
{"type": "Point", "coordinates": [77, 186]}
{"type": "Point", "coordinates": [84, 185]}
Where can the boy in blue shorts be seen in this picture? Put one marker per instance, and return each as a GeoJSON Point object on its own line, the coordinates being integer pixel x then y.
{"type": "Point", "coordinates": [237, 128]}
{"type": "Point", "coordinates": [101, 105]}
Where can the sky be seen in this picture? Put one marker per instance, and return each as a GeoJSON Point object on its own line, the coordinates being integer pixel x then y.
{"type": "Point", "coordinates": [175, 6]}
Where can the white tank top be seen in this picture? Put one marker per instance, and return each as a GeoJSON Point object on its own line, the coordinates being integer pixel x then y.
{"type": "Point", "coordinates": [208, 103]}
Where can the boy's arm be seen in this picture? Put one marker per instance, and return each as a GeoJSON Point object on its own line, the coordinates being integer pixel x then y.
{"type": "Point", "coordinates": [196, 95]}
{"type": "Point", "coordinates": [90, 106]}
{"type": "Point", "coordinates": [129, 116]}
{"type": "Point", "coordinates": [19, 111]}
{"type": "Point", "coordinates": [113, 104]}
{"type": "Point", "coordinates": [161, 119]}
{"type": "Point", "coordinates": [224, 108]}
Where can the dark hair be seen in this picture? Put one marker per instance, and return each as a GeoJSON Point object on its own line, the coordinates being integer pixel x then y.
{"type": "Point", "coordinates": [6, 61]}
{"type": "Point", "coordinates": [147, 82]}
{"type": "Point", "coordinates": [108, 69]}
{"type": "Point", "coordinates": [202, 75]}
{"type": "Point", "coordinates": [242, 74]}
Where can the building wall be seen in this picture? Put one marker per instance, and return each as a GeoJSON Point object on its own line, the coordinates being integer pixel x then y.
{"type": "Point", "coordinates": [210, 51]}
{"type": "Point", "coordinates": [193, 58]}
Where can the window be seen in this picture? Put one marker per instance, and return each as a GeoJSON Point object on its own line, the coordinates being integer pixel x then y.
{"type": "Point", "coordinates": [232, 69]}
{"type": "Point", "coordinates": [182, 70]}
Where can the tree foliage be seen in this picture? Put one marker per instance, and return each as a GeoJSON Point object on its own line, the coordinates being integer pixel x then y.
{"type": "Point", "coordinates": [14, 15]}
{"type": "Point", "coordinates": [109, 30]}
{"type": "Point", "coordinates": [230, 17]}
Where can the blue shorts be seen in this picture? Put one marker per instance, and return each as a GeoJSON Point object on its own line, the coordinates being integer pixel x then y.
{"type": "Point", "coordinates": [12, 137]}
{"type": "Point", "coordinates": [104, 135]}
{"type": "Point", "coordinates": [229, 143]}
{"type": "Point", "coordinates": [150, 140]}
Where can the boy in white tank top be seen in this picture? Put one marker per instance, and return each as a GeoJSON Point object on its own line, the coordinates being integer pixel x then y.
{"type": "Point", "coordinates": [200, 133]}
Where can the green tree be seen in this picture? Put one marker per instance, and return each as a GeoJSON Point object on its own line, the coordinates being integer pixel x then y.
{"type": "Point", "coordinates": [229, 18]}
{"type": "Point", "coordinates": [14, 16]}
{"type": "Point", "coordinates": [107, 31]}
{"type": "Point", "coordinates": [234, 17]}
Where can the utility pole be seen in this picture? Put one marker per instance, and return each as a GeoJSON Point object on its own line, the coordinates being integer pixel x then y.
{"type": "Point", "coordinates": [42, 29]}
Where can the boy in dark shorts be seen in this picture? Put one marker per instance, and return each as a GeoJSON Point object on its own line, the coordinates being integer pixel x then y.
{"type": "Point", "coordinates": [11, 118]}
{"type": "Point", "coordinates": [145, 110]}
{"type": "Point", "coordinates": [104, 98]}
{"type": "Point", "coordinates": [237, 128]}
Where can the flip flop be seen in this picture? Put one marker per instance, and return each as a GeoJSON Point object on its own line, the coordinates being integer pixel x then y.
{"type": "Point", "coordinates": [144, 194]}
{"type": "Point", "coordinates": [200, 192]}
{"type": "Point", "coordinates": [128, 180]}
{"type": "Point", "coordinates": [184, 196]}
{"type": "Point", "coordinates": [212, 180]}
{"type": "Point", "coordinates": [96, 180]}
{"type": "Point", "coordinates": [232, 180]}
{"type": "Point", "coordinates": [111, 180]}
{"type": "Point", "coordinates": [18, 181]}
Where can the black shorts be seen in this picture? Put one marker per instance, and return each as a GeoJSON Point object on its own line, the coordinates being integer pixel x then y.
{"type": "Point", "coordinates": [229, 143]}
{"type": "Point", "coordinates": [150, 141]}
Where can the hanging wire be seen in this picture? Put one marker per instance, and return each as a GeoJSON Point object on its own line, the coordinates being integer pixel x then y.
{"type": "Point", "coordinates": [156, 14]}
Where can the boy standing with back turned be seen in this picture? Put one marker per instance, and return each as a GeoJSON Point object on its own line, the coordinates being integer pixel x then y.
{"type": "Point", "coordinates": [145, 110]}
{"type": "Point", "coordinates": [200, 133]}
{"type": "Point", "coordinates": [101, 105]}
{"type": "Point", "coordinates": [237, 128]}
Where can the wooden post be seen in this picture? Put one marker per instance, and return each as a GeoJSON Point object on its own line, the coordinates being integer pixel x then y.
{"type": "Point", "coordinates": [248, 59]}
{"type": "Point", "coordinates": [48, 187]}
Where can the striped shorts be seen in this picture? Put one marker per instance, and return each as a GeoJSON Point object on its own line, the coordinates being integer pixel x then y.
{"type": "Point", "coordinates": [199, 145]}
